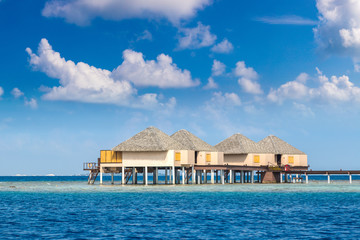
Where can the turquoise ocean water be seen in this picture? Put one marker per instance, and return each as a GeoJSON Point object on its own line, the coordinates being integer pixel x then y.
{"type": "Point", "coordinates": [68, 208]}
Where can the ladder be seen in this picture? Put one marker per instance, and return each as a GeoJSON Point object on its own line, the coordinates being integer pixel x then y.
{"type": "Point", "coordinates": [128, 175]}
{"type": "Point", "coordinates": [92, 176]}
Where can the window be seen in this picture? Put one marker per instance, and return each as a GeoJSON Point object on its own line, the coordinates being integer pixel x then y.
{"type": "Point", "coordinates": [291, 159]}
{"type": "Point", "coordinates": [208, 157]}
{"type": "Point", "coordinates": [177, 156]}
{"type": "Point", "coordinates": [256, 159]}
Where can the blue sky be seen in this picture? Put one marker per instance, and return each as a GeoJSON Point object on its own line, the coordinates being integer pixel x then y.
{"type": "Point", "coordinates": [78, 76]}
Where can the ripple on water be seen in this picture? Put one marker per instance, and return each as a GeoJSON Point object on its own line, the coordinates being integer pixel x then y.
{"type": "Point", "coordinates": [74, 210]}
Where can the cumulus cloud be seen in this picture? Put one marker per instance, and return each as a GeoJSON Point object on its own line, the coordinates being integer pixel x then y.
{"type": "Point", "coordinates": [211, 84]}
{"type": "Point", "coordinates": [17, 93]}
{"type": "Point", "coordinates": [248, 78]}
{"type": "Point", "coordinates": [161, 73]}
{"type": "Point", "coordinates": [333, 90]}
{"type": "Point", "coordinates": [218, 68]}
{"type": "Point", "coordinates": [84, 83]}
{"type": "Point", "coordinates": [338, 30]}
{"type": "Point", "coordinates": [197, 37]}
{"type": "Point", "coordinates": [286, 20]}
{"type": "Point", "coordinates": [82, 12]}
{"type": "Point", "coordinates": [303, 109]}
{"type": "Point", "coordinates": [32, 103]}
{"type": "Point", "coordinates": [226, 99]}
{"type": "Point", "coordinates": [223, 47]}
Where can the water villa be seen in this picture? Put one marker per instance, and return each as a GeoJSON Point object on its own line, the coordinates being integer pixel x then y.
{"type": "Point", "coordinates": [183, 158]}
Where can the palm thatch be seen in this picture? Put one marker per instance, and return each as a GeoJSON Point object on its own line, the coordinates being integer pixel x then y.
{"type": "Point", "coordinates": [239, 144]}
{"type": "Point", "coordinates": [192, 142]}
{"type": "Point", "coordinates": [149, 140]}
{"type": "Point", "coordinates": [275, 145]}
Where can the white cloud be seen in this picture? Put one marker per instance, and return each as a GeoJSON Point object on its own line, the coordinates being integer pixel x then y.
{"type": "Point", "coordinates": [333, 90]}
{"type": "Point", "coordinates": [197, 37]}
{"type": "Point", "coordinates": [211, 84]}
{"type": "Point", "coordinates": [248, 78]}
{"type": "Point", "coordinates": [339, 28]}
{"type": "Point", "coordinates": [226, 100]}
{"type": "Point", "coordinates": [17, 93]}
{"type": "Point", "coordinates": [223, 47]}
{"type": "Point", "coordinates": [32, 103]}
{"type": "Point", "coordinates": [287, 20]}
{"type": "Point", "coordinates": [290, 90]}
{"type": "Point", "coordinates": [161, 73]}
{"type": "Point", "coordinates": [218, 68]}
{"type": "Point", "coordinates": [84, 83]}
{"type": "Point", "coordinates": [145, 35]}
{"type": "Point", "coordinates": [82, 12]}
{"type": "Point", "coordinates": [303, 109]}
{"type": "Point", "coordinates": [1, 91]}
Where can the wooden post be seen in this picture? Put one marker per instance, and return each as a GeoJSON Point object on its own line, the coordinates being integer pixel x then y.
{"type": "Point", "coordinates": [183, 175]}
{"type": "Point", "coordinates": [112, 178]}
{"type": "Point", "coordinates": [222, 177]}
{"type": "Point", "coordinates": [166, 176]}
{"type": "Point", "coordinates": [328, 178]}
{"type": "Point", "coordinates": [242, 176]}
{"type": "Point", "coordinates": [101, 175]}
{"type": "Point", "coordinates": [156, 175]}
{"type": "Point", "coordinates": [212, 176]}
{"type": "Point", "coordinates": [231, 176]}
{"type": "Point", "coordinates": [252, 176]}
{"type": "Point", "coordinates": [350, 178]}
{"type": "Point", "coordinates": [123, 175]}
{"type": "Point", "coordinates": [193, 173]}
{"type": "Point", "coordinates": [205, 176]}
{"type": "Point", "coordinates": [146, 176]}
{"type": "Point", "coordinates": [217, 176]}
{"type": "Point", "coordinates": [173, 175]}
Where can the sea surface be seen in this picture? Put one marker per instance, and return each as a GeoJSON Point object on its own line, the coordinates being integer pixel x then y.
{"type": "Point", "coordinates": [69, 208]}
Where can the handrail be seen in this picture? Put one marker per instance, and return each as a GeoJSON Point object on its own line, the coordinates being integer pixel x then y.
{"type": "Point", "coordinates": [90, 166]}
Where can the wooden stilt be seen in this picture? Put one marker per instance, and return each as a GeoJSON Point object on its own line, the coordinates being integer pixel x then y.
{"type": "Point", "coordinates": [101, 175]}
{"type": "Point", "coordinates": [166, 176]}
{"type": "Point", "coordinates": [145, 174]}
{"type": "Point", "coordinates": [123, 175]}
{"type": "Point", "coordinates": [173, 175]}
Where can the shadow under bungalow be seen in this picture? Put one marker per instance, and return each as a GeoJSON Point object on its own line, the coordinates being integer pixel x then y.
{"type": "Point", "coordinates": [153, 157]}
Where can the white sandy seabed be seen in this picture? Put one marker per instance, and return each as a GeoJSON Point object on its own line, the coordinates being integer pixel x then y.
{"type": "Point", "coordinates": [83, 187]}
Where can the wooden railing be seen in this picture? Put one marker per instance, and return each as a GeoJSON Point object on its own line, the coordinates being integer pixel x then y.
{"type": "Point", "coordinates": [90, 166]}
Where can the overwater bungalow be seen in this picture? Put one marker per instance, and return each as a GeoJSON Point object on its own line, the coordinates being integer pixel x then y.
{"type": "Point", "coordinates": [204, 154]}
{"type": "Point", "coordinates": [144, 153]}
{"type": "Point", "coordinates": [240, 150]}
{"type": "Point", "coordinates": [284, 153]}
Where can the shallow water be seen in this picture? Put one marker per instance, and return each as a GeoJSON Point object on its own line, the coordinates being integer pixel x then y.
{"type": "Point", "coordinates": [75, 210]}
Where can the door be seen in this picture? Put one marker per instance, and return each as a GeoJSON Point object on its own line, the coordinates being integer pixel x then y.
{"type": "Point", "coordinates": [278, 159]}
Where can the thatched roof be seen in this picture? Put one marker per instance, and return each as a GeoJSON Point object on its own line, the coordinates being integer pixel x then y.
{"type": "Point", "coordinates": [192, 142]}
{"type": "Point", "coordinates": [239, 144]}
{"type": "Point", "coordinates": [275, 145]}
{"type": "Point", "coordinates": [149, 140]}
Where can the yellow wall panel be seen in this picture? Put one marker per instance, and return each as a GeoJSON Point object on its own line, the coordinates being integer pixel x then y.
{"type": "Point", "coordinates": [256, 159]}
{"type": "Point", "coordinates": [102, 156]}
{"type": "Point", "coordinates": [119, 157]}
{"type": "Point", "coordinates": [177, 156]}
{"type": "Point", "coordinates": [208, 157]}
{"type": "Point", "coordinates": [291, 159]}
